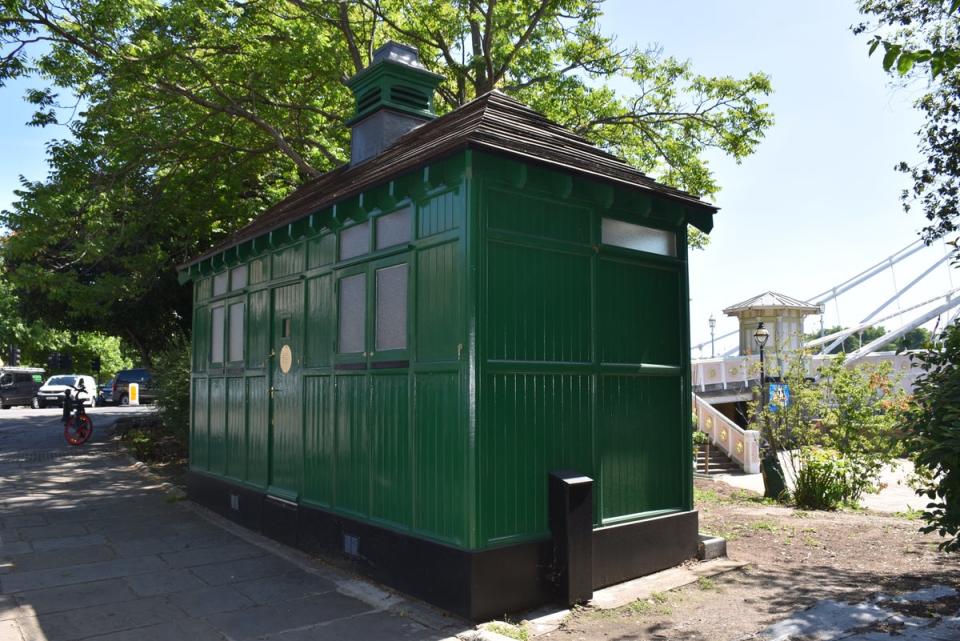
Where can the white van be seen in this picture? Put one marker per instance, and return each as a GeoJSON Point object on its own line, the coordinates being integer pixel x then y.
{"type": "Point", "coordinates": [52, 392]}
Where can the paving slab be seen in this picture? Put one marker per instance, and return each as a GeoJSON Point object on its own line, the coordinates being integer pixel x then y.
{"type": "Point", "coordinates": [292, 585]}
{"type": "Point", "coordinates": [259, 621]}
{"type": "Point", "coordinates": [186, 630]}
{"type": "Point", "coordinates": [364, 627]}
{"type": "Point", "coordinates": [75, 556]}
{"type": "Point", "coordinates": [242, 570]}
{"type": "Point", "coordinates": [205, 556]}
{"type": "Point", "coordinates": [211, 600]}
{"type": "Point", "coordinates": [165, 582]}
{"type": "Point", "coordinates": [73, 597]}
{"type": "Point", "coordinates": [73, 625]}
{"type": "Point", "coordinates": [23, 581]}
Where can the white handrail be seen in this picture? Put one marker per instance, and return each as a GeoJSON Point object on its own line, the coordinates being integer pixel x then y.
{"type": "Point", "coordinates": [743, 446]}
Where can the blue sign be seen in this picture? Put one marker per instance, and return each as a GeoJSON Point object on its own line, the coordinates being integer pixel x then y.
{"type": "Point", "coordinates": [779, 395]}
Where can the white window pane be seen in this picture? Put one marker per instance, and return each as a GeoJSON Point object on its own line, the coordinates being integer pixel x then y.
{"type": "Point", "coordinates": [393, 229]}
{"type": "Point", "coordinates": [355, 241]}
{"type": "Point", "coordinates": [353, 313]}
{"type": "Point", "coordinates": [220, 283]}
{"type": "Point", "coordinates": [392, 307]}
{"type": "Point", "coordinates": [238, 277]}
{"type": "Point", "coordinates": [216, 335]}
{"type": "Point", "coordinates": [638, 237]}
{"type": "Point", "coordinates": [236, 332]}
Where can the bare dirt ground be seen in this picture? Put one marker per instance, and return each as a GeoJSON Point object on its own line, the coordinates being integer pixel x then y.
{"type": "Point", "coordinates": [795, 559]}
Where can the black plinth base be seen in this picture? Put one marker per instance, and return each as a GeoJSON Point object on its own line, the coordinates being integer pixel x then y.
{"type": "Point", "coordinates": [478, 584]}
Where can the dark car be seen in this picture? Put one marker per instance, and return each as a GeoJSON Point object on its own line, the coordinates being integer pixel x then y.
{"type": "Point", "coordinates": [19, 385]}
{"type": "Point", "coordinates": [141, 376]}
{"type": "Point", "coordinates": [105, 393]}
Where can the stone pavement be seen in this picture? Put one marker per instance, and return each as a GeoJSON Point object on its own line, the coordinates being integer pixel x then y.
{"type": "Point", "coordinates": [92, 549]}
{"type": "Point", "coordinates": [932, 614]}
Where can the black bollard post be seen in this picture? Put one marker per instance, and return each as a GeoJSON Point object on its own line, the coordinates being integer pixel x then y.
{"type": "Point", "coordinates": [571, 523]}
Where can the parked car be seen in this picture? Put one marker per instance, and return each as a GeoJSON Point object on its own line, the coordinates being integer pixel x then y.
{"type": "Point", "coordinates": [19, 385]}
{"type": "Point", "coordinates": [105, 393]}
{"type": "Point", "coordinates": [139, 375]}
{"type": "Point", "coordinates": [52, 392]}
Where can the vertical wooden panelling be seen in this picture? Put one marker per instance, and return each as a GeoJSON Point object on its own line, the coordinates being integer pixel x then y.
{"type": "Point", "coordinates": [639, 313]}
{"type": "Point", "coordinates": [441, 213]}
{"type": "Point", "coordinates": [439, 307]}
{"type": "Point", "coordinates": [286, 430]}
{"type": "Point", "coordinates": [441, 502]}
{"type": "Point", "coordinates": [640, 442]}
{"type": "Point", "coordinates": [539, 305]}
{"type": "Point", "coordinates": [200, 340]}
{"type": "Point", "coordinates": [536, 423]}
{"type": "Point", "coordinates": [390, 449]}
{"type": "Point", "coordinates": [320, 318]}
{"type": "Point", "coordinates": [258, 271]}
{"type": "Point", "coordinates": [258, 329]}
{"type": "Point", "coordinates": [236, 428]}
{"type": "Point", "coordinates": [352, 444]}
{"type": "Point", "coordinates": [537, 216]}
{"type": "Point", "coordinates": [288, 261]}
{"type": "Point", "coordinates": [321, 250]}
{"type": "Point", "coordinates": [199, 431]}
{"type": "Point", "coordinates": [218, 426]}
{"type": "Point", "coordinates": [319, 441]}
{"type": "Point", "coordinates": [258, 417]}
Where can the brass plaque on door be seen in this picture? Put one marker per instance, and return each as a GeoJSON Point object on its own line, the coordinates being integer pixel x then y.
{"type": "Point", "coordinates": [286, 359]}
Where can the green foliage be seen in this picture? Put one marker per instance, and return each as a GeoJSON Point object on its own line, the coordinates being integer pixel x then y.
{"type": "Point", "coordinates": [848, 410]}
{"type": "Point", "coordinates": [171, 375]}
{"type": "Point", "coordinates": [917, 338]}
{"type": "Point", "coordinates": [926, 32]}
{"type": "Point", "coordinates": [700, 438]}
{"type": "Point", "coordinates": [198, 115]}
{"type": "Point", "coordinates": [822, 479]}
{"type": "Point", "coordinates": [931, 426]}
{"type": "Point", "coordinates": [36, 339]}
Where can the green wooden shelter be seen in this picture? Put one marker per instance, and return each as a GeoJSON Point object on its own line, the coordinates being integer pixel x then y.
{"type": "Point", "coordinates": [391, 361]}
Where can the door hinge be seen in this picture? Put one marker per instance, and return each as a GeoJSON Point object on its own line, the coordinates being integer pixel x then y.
{"type": "Point", "coordinates": [459, 351]}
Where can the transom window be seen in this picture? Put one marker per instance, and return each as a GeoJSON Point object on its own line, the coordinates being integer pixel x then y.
{"type": "Point", "coordinates": [638, 237]}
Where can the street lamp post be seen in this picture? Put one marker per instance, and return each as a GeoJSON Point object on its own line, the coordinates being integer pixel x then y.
{"type": "Point", "coordinates": [713, 324]}
{"type": "Point", "coordinates": [773, 480]}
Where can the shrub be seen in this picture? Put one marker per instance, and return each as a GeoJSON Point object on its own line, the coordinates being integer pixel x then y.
{"type": "Point", "coordinates": [171, 372]}
{"type": "Point", "coordinates": [821, 482]}
{"type": "Point", "coordinates": [932, 429]}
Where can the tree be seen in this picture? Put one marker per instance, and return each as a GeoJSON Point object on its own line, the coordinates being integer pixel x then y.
{"type": "Point", "coordinates": [195, 115]}
{"type": "Point", "coordinates": [916, 338]}
{"type": "Point", "coordinates": [926, 31]}
{"type": "Point", "coordinates": [932, 429]}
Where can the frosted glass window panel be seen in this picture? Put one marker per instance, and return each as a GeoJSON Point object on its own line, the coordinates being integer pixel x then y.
{"type": "Point", "coordinates": [638, 237]}
{"type": "Point", "coordinates": [221, 282]}
{"type": "Point", "coordinates": [355, 241]}
{"type": "Point", "coordinates": [392, 308]}
{"type": "Point", "coordinates": [236, 332]}
{"type": "Point", "coordinates": [393, 229]}
{"type": "Point", "coordinates": [238, 277]}
{"type": "Point", "coordinates": [353, 313]}
{"type": "Point", "coordinates": [216, 334]}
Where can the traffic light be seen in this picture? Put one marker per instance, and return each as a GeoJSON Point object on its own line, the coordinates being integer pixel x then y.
{"type": "Point", "coordinates": [53, 361]}
{"type": "Point", "coordinates": [66, 361]}
{"type": "Point", "coordinates": [95, 364]}
{"type": "Point", "coordinates": [14, 355]}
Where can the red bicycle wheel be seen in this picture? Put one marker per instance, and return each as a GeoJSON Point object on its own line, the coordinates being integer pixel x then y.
{"type": "Point", "coordinates": [77, 431]}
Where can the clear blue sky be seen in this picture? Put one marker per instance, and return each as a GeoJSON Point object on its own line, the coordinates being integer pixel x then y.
{"type": "Point", "coordinates": [817, 203]}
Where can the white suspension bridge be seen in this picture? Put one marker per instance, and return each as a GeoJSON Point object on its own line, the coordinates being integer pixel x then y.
{"type": "Point", "coordinates": [722, 384]}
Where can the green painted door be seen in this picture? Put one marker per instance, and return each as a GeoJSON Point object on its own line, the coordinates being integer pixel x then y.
{"type": "Point", "coordinates": [286, 406]}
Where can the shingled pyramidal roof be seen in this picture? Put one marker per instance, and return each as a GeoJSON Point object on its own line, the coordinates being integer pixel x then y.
{"type": "Point", "coordinates": [771, 300]}
{"type": "Point", "coordinates": [493, 122]}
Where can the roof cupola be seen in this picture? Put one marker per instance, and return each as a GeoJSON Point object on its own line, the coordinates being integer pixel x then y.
{"type": "Point", "coordinates": [392, 96]}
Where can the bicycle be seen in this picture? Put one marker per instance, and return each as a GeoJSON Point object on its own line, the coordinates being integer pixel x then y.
{"type": "Point", "coordinates": [77, 426]}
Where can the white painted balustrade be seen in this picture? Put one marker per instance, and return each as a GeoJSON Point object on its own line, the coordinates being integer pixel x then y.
{"type": "Point", "coordinates": [743, 446]}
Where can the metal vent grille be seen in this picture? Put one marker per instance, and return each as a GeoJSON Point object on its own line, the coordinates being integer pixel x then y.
{"type": "Point", "coordinates": [368, 100]}
{"type": "Point", "coordinates": [409, 97]}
